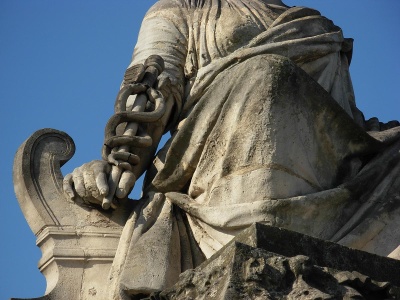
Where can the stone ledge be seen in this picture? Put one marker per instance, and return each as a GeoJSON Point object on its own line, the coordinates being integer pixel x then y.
{"type": "Point", "coordinates": [267, 262]}
{"type": "Point", "coordinates": [324, 253]}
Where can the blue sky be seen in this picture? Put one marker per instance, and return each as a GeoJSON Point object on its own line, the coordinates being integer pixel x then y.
{"type": "Point", "coordinates": [61, 64]}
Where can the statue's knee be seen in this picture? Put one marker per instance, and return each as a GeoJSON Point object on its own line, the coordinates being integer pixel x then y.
{"type": "Point", "coordinates": [270, 61]}
{"type": "Point", "coordinates": [267, 70]}
{"type": "Point", "coordinates": [269, 67]}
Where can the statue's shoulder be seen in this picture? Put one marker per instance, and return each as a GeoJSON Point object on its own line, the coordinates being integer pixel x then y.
{"type": "Point", "coordinates": [162, 7]}
{"type": "Point", "coordinates": [170, 4]}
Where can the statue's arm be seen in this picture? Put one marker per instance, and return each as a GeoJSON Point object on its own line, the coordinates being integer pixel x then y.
{"type": "Point", "coordinates": [162, 33]}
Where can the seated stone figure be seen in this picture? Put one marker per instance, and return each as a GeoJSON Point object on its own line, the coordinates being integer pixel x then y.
{"type": "Point", "coordinates": [264, 128]}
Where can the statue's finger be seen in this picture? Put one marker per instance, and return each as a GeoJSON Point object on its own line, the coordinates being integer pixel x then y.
{"type": "Point", "coordinates": [79, 184]}
{"type": "Point", "coordinates": [101, 169]}
{"type": "Point", "coordinates": [125, 184]}
{"type": "Point", "coordinates": [67, 186]}
{"type": "Point", "coordinates": [101, 181]}
{"type": "Point", "coordinates": [90, 184]}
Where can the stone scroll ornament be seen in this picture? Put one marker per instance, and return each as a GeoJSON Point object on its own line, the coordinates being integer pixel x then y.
{"type": "Point", "coordinates": [78, 242]}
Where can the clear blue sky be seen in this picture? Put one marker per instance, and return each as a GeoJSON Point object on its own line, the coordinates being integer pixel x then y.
{"type": "Point", "coordinates": [61, 64]}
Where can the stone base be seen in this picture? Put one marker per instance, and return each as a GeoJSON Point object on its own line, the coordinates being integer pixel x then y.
{"type": "Point", "coordinates": [272, 263]}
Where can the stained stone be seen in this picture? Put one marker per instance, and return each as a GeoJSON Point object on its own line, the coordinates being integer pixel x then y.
{"type": "Point", "coordinates": [272, 263]}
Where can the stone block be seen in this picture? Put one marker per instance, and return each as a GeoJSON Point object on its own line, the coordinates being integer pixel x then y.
{"type": "Point", "coordinates": [271, 263]}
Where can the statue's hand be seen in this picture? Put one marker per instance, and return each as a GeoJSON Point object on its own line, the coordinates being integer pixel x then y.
{"type": "Point", "coordinates": [373, 124]}
{"type": "Point", "coordinates": [89, 181]}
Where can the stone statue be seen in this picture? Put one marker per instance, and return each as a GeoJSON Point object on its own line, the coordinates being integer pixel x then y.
{"type": "Point", "coordinates": [264, 128]}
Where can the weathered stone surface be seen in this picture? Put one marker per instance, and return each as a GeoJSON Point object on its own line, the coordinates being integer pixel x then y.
{"type": "Point", "coordinates": [324, 253]}
{"type": "Point", "coordinates": [78, 242]}
{"type": "Point", "coordinates": [280, 270]}
{"type": "Point", "coordinates": [264, 129]}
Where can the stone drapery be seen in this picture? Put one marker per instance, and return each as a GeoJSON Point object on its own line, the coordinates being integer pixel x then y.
{"type": "Point", "coordinates": [264, 132]}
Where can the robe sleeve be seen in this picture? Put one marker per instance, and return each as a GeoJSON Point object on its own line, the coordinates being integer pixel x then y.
{"type": "Point", "coordinates": [164, 32]}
